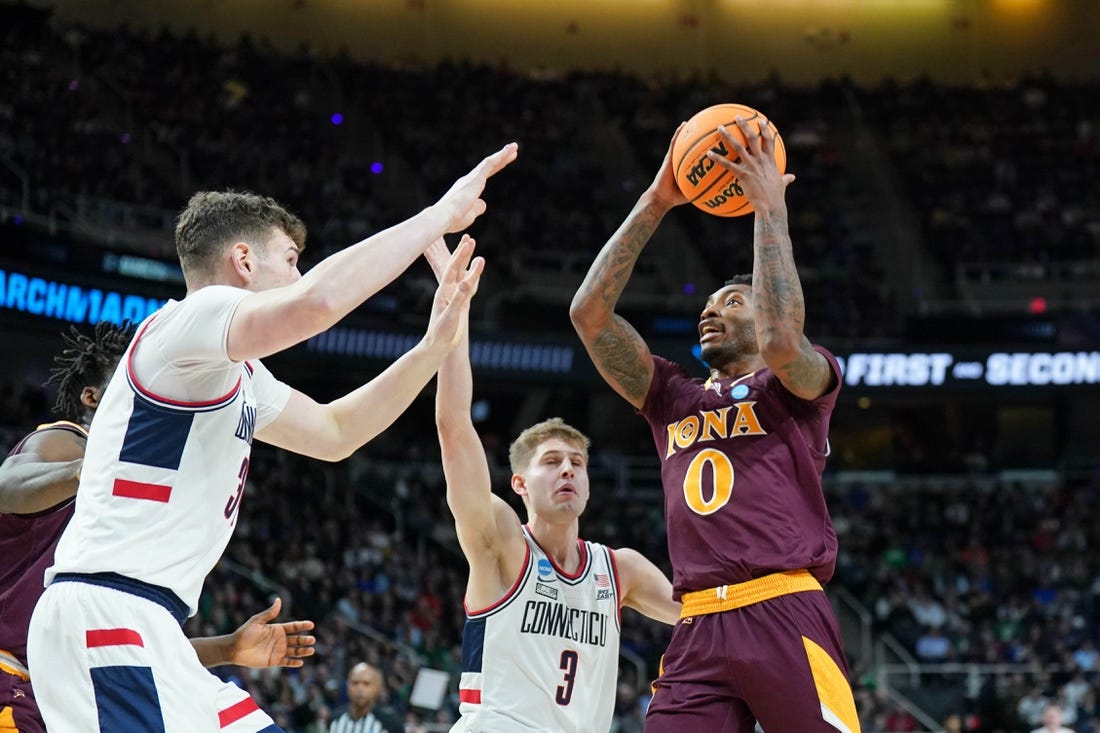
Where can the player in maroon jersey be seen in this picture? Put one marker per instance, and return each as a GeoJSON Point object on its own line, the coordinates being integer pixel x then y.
{"type": "Point", "coordinates": [742, 453]}
{"type": "Point", "coordinates": [38, 484]}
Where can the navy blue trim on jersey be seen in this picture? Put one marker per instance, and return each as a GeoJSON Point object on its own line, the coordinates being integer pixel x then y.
{"type": "Point", "coordinates": [271, 729]}
{"type": "Point", "coordinates": [473, 644]}
{"type": "Point", "coordinates": [167, 402]}
{"type": "Point", "coordinates": [155, 436]}
{"type": "Point", "coordinates": [126, 699]}
{"type": "Point", "coordinates": [182, 408]}
{"type": "Point", "coordinates": [512, 593]}
{"type": "Point", "coordinates": [155, 593]}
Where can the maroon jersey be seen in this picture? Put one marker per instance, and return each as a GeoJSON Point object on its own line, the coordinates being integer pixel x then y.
{"type": "Point", "coordinates": [27, 543]}
{"type": "Point", "coordinates": [741, 463]}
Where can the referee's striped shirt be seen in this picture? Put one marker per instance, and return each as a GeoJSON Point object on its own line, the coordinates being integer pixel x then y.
{"type": "Point", "coordinates": [366, 724]}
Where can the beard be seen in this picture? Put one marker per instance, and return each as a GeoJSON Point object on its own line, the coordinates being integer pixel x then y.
{"type": "Point", "coordinates": [715, 355]}
{"type": "Point", "coordinates": [742, 344]}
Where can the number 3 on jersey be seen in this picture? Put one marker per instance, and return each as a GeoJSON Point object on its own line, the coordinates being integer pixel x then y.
{"type": "Point", "coordinates": [234, 502]}
{"type": "Point", "coordinates": [721, 470]}
{"type": "Point", "coordinates": [569, 664]}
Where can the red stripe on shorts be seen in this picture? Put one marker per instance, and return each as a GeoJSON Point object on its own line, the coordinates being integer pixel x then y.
{"type": "Point", "coordinates": [112, 637]}
{"type": "Point", "coordinates": [473, 696]}
{"type": "Point", "coordinates": [233, 713]}
{"type": "Point", "coordinates": [139, 490]}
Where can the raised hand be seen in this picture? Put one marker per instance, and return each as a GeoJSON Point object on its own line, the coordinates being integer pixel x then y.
{"type": "Point", "coordinates": [437, 254]}
{"type": "Point", "coordinates": [664, 186]}
{"type": "Point", "coordinates": [462, 204]}
{"type": "Point", "coordinates": [754, 164]}
{"type": "Point", "coordinates": [458, 275]}
{"type": "Point", "coordinates": [260, 643]}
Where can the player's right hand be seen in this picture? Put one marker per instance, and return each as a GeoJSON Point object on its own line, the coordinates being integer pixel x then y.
{"type": "Point", "coordinates": [458, 281]}
{"type": "Point", "coordinates": [462, 204]}
{"type": "Point", "coordinates": [437, 254]}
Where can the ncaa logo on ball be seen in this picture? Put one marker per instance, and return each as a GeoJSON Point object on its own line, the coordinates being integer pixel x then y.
{"type": "Point", "coordinates": [699, 171]}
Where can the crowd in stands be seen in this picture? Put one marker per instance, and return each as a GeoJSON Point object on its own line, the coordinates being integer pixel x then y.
{"type": "Point", "coordinates": [138, 119]}
{"type": "Point", "coordinates": [989, 573]}
{"type": "Point", "coordinates": [1003, 176]}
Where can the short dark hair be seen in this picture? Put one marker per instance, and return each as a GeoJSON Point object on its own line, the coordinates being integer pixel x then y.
{"type": "Point", "coordinates": [86, 362]}
{"type": "Point", "coordinates": [214, 219]}
{"type": "Point", "coordinates": [742, 279]}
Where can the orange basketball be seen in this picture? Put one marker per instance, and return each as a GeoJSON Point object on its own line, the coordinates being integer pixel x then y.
{"type": "Point", "coordinates": [708, 185]}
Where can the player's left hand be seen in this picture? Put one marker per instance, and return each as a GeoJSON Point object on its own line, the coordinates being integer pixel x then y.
{"type": "Point", "coordinates": [664, 186]}
{"type": "Point", "coordinates": [260, 643]}
{"type": "Point", "coordinates": [754, 165]}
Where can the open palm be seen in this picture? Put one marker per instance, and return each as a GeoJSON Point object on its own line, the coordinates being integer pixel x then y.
{"type": "Point", "coordinates": [259, 643]}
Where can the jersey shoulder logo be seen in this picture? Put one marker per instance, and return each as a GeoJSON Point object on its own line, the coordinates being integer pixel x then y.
{"type": "Point", "coordinates": [246, 425]}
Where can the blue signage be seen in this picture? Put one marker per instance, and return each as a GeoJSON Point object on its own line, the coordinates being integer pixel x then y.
{"type": "Point", "coordinates": [67, 302]}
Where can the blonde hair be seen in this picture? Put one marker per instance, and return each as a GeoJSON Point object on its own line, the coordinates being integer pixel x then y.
{"type": "Point", "coordinates": [523, 448]}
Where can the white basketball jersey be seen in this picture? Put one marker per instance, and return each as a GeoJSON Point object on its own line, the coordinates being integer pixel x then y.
{"type": "Point", "coordinates": [546, 656]}
{"type": "Point", "coordinates": [163, 479]}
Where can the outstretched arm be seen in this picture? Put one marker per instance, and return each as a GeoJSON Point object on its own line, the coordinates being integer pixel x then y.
{"type": "Point", "coordinates": [778, 306]}
{"type": "Point", "coordinates": [259, 643]}
{"type": "Point", "coordinates": [645, 588]}
{"type": "Point", "coordinates": [484, 523]}
{"type": "Point", "coordinates": [43, 474]}
{"type": "Point", "coordinates": [618, 351]}
{"type": "Point", "coordinates": [271, 321]}
{"type": "Point", "coordinates": [336, 430]}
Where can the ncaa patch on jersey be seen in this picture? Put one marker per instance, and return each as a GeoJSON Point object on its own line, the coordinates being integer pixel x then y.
{"type": "Point", "coordinates": [740, 391]}
{"type": "Point", "coordinates": [546, 570]}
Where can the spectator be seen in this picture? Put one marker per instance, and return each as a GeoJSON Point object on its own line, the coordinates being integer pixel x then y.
{"type": "Point", "coordinates": [1052, 721]}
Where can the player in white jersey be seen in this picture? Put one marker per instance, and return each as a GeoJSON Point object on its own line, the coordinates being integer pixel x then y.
{"type": "Point", "coordinates": [168, 450]}
{"type": "Point", "coordinates": [38, 483]}
{"type": "Point", "coordinates": [540, 650]}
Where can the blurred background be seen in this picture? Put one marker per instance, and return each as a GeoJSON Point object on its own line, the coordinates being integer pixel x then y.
{"type": "Point", "coordinates": [946, 224]}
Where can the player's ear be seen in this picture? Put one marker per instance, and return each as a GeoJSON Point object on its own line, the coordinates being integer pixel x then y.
{"type": "Point", "coordinates": [89, 397]}
{"type": "Point", "coordinates": [242, 258]}
{"type": "Point", "coordinates": [519, 484]}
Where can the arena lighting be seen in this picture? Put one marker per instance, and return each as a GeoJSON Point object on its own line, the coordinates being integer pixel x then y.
{"type": "Point", "coordinates": [499, 354]}
{"type": "Point", "coordinates": [67, 302]}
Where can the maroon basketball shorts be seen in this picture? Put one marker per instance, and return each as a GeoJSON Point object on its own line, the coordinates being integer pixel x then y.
{"type": "Point", "coordinates": [767, 650]}
{"type": "Point", "coordinates": [18, 711]}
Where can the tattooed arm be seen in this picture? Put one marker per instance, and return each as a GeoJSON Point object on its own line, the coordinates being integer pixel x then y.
{"type": "Point", "coordinates": [778, 306]}
{"type": "Point", "coordinates": [616, 348]}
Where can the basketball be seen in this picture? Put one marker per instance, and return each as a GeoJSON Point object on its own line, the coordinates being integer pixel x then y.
{"type": "Point", "coordinates": [707, 185]}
